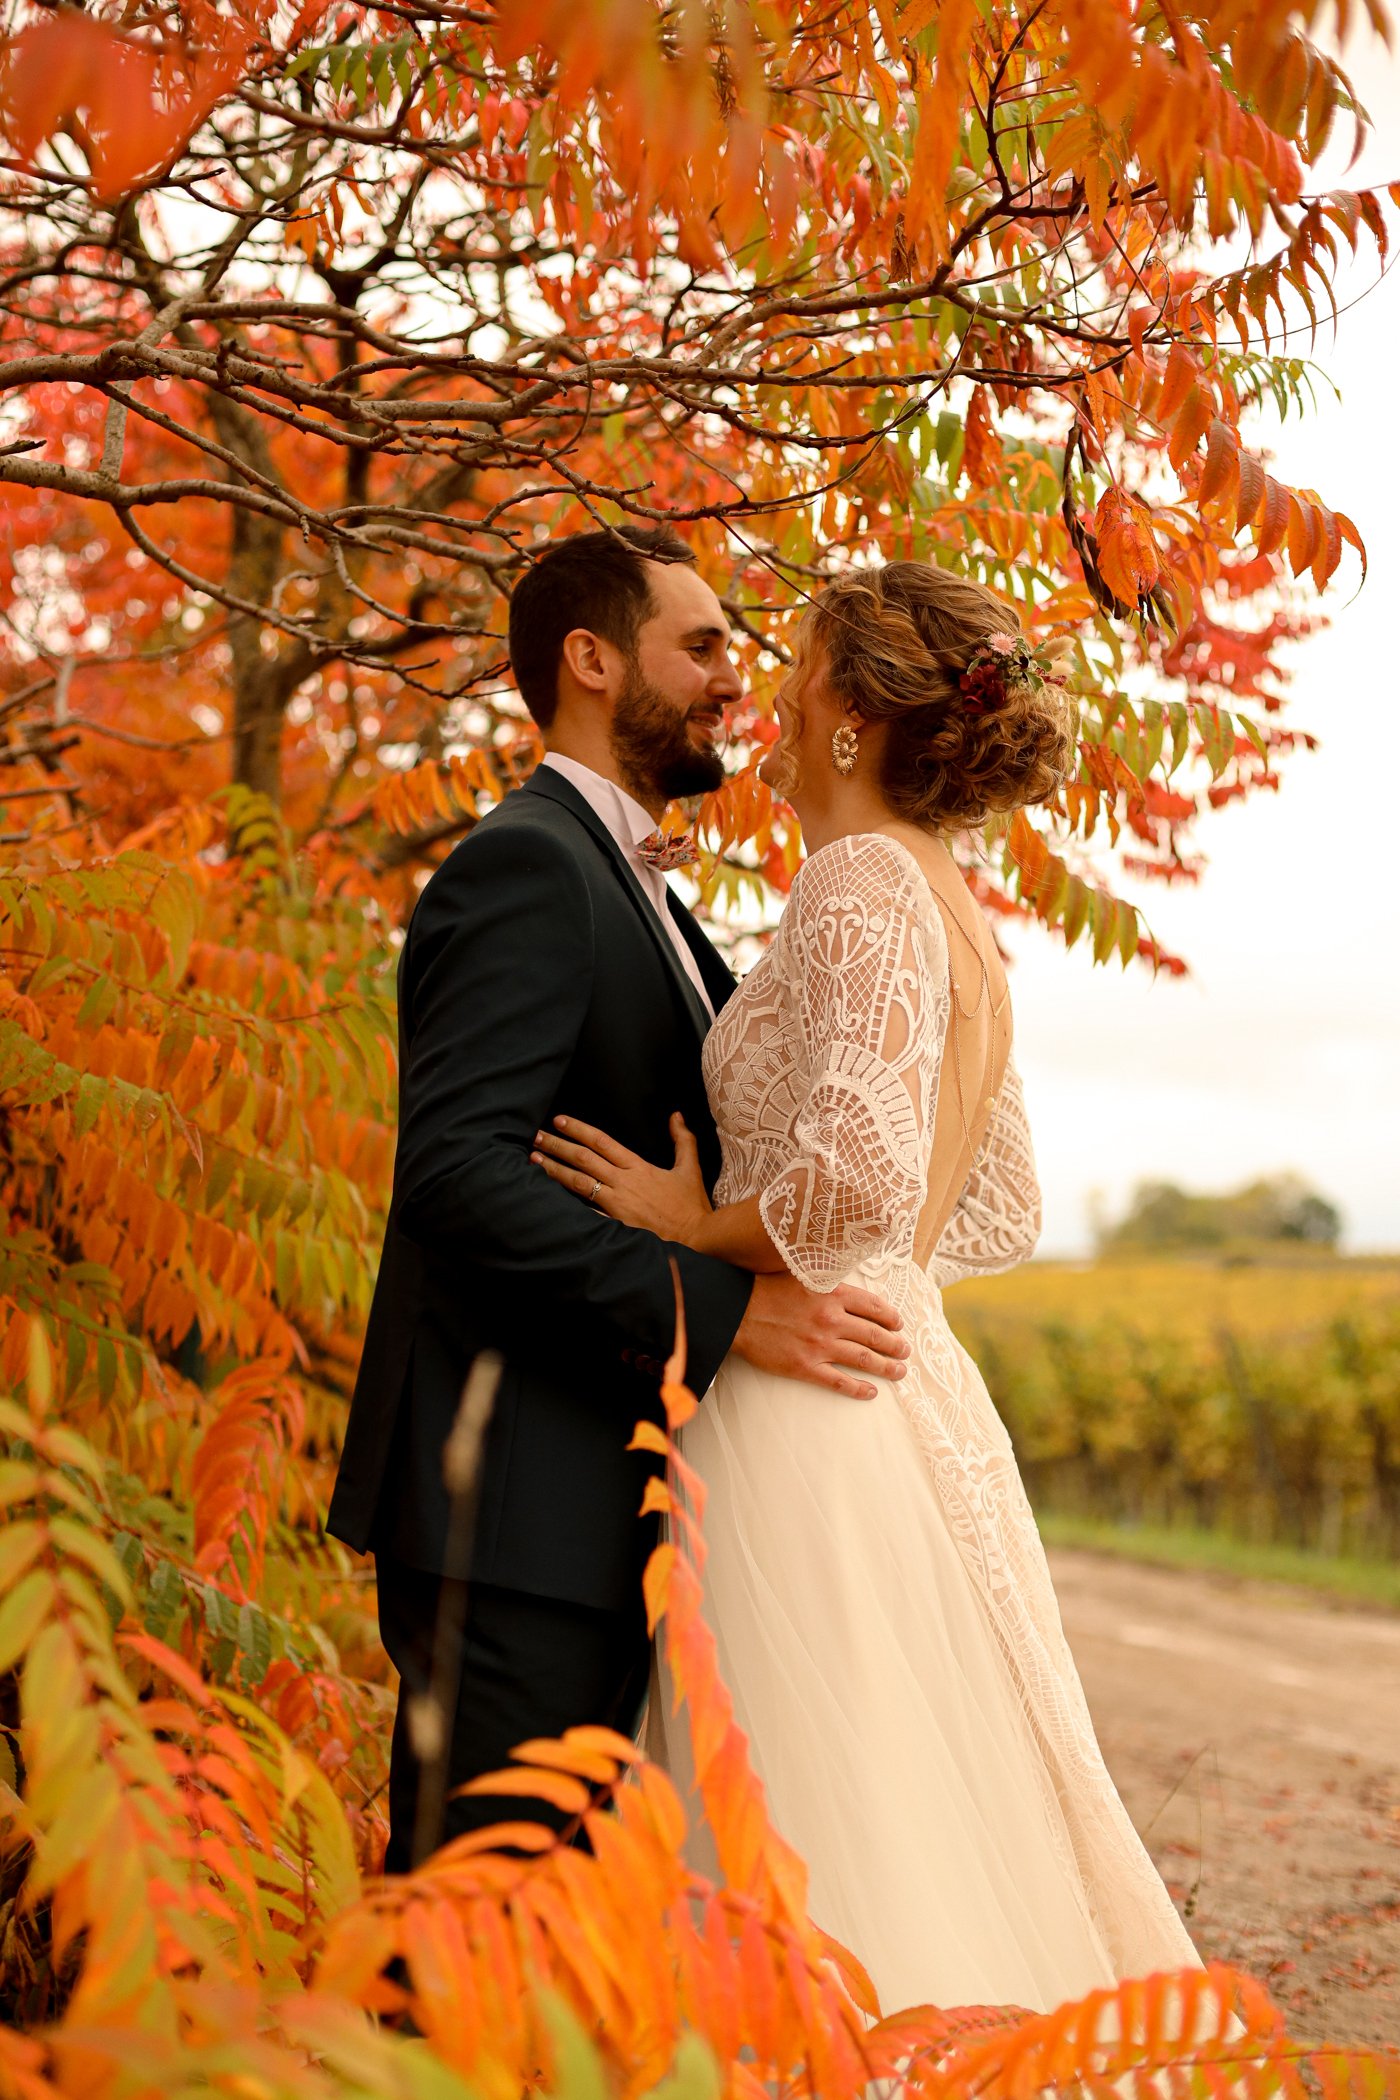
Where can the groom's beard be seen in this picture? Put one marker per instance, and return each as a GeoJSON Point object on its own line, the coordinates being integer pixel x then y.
{"type": "Point", "coordinates": [651, 743]}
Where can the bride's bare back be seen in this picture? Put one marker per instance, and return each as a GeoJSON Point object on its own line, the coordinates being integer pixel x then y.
{"type": "Point", "coordinates": [977, 1041]}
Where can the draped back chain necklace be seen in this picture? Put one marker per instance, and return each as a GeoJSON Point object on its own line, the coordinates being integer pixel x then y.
{"type": "Point", "coordinates": [970, 1013]}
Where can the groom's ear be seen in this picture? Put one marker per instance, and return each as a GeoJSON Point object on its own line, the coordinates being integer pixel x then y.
{"type": "Point", "coordinates": [583, 657]}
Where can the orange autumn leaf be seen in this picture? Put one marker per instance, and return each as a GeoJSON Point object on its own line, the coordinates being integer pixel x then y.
{"type": "Point", "coordinates": [1127, 548]}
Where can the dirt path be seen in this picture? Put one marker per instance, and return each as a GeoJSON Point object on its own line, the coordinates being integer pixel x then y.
{"type": "Point", "coordinates": [1255, 1736]}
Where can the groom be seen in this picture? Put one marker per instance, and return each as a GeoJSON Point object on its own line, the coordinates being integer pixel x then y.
{"type": "Point", "coordinates": [548, 966]}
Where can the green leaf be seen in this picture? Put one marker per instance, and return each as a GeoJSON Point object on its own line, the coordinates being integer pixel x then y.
{"type": "Point", "coordinates": [1181, 733]}
{"type": "Point", "coordinates": [263, 1191]}
{"type": "Point", "coordinates": [88, 1104]}
{"type": "Point", "coordinates": [164, 1598]}
{"type": "Point", "coordinates": [106, 1368]}
{"type": "Point", "coordinates": [285, 1269]}
{"type": "Point", "coordinates": [1127, 932]}
{"type": "Point", "coordinates": [75, 1352]}
{"type": "Point", "coordinates": [578, 2067]}
{"type": "Point", "coordinates": [1104, 917]}
{"type": "Point", "coordinates": [381, 70]}
{"type": "Point", "coordinates": [174, 908]}
{"type": "Point", "coordinates": [255, 1642]}
{"type": "Point", "coordinates": [175, 1045]}
{"type": "Point", "coordinates": [1076, 911]}
{"type": "Point", "coordinates": [218, 1179]}
{"type": "Point", "coordinates": [130, 1553]}
{"type": "Point", "coordinates": [94, 1553]}
{"type": "Point", "coordinates": [695, 2074]}
{"type": "Point", "coordinates": [97, 1005]}
{"type": "Point", "coordinates": [307, 61]}
{"type": "Point", "coordinates": [1255, 734]}
{"type": "Point", "coordinates": [948, 442]}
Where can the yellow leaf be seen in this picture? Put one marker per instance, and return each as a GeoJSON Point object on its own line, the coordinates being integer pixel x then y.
{"type": "Point", "coordinates": [19, 1543]}
{"type": "Point", "coordinates": [23, 1613]}
{"type": "Point", "coordinates": [18, 1480]}
{"type": "Point", "coordinates": [657, 1499]}
{"type": "Point", "coordinates": [656, 1582]}
{"type": "Point", "coordinates": [95, 1553]}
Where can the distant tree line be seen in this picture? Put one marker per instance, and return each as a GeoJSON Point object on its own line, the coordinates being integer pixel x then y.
{"type": "Point", "coordinates": [1280, 1208]}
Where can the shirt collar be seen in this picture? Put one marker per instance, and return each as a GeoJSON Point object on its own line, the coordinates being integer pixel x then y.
{"type": "Point", "coordinates": [624, 816]}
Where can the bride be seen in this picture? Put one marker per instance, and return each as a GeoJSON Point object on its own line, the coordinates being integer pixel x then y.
{"type": "Point", "coordinates": [883, 1610]}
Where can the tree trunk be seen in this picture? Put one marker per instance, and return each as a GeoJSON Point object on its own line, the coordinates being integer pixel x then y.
{"type": "Point", "coordinates": [259, 682]}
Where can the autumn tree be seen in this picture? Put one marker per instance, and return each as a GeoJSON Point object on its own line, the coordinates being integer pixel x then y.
{"type": "Point", "coordinates": [314, 324]}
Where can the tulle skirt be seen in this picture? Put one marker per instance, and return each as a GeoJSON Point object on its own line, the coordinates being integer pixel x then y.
{"type": "Point", "coordinates": [897, 1741]}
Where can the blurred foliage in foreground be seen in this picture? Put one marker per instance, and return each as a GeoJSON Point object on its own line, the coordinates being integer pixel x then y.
{"type": "Point", "coordinates": [196, 1109]}
{"type": "Point", "coordinates": [1258, 1400]}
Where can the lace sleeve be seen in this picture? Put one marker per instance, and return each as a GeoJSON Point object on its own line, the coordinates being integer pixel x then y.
{"type": "Point", "coordinates": [997, 1220]}
{"type": "Point", "coordinates": [867, 965]}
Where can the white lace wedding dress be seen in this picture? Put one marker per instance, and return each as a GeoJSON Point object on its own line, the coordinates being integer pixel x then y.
{"type": "Point", "coordinates": [884, 1613]}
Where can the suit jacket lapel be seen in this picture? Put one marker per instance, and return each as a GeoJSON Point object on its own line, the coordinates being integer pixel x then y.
{"type": "Point", "coordinates": [545, 781]}
{"type": "Point", "coordinates": [715, 971]}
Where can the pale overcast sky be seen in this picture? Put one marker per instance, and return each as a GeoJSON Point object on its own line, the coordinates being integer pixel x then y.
{"type": "Point", "coordinates": [1282, 1050]}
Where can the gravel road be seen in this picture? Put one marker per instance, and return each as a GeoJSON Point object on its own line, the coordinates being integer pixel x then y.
{"type": "Point", "coordinates": [1254, 1733]}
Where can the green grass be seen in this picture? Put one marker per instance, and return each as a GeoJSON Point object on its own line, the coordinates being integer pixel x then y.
{"type": "Point", "coordinates": [1216, 1553]}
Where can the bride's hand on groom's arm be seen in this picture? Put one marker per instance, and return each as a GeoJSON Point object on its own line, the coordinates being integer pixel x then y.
{"type": "Point", "coordinates": [672, 1202]}
{"type": "Point", "coordinates": [827, 1338]}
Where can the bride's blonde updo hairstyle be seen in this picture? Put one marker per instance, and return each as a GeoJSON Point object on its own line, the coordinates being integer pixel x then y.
{"type": "Point", "coordinates": [895, 642]}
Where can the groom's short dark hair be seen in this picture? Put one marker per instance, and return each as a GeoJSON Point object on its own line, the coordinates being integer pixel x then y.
{"type": "Point", "coordinates": [596, 580]}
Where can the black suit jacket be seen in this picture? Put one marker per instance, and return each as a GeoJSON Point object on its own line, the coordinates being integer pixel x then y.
{"type": "Point", "coordinates": [535, 978]}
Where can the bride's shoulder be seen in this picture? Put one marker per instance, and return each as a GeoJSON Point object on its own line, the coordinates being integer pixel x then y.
{"type": "Point", "coordinates": [861, 889]}
{"type": "Point", "coordinates": [864, 865]}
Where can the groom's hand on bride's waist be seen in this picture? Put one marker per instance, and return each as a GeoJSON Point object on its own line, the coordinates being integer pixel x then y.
{"type": "Point", "coordinates": [825, 1337]}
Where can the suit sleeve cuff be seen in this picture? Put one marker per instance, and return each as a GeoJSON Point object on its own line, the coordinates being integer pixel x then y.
{"type": "Point", "coordinates": [716, 1296]}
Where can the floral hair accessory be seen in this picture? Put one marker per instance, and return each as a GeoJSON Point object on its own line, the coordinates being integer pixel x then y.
{"type": "Point", "coordinates": [1003, 663]}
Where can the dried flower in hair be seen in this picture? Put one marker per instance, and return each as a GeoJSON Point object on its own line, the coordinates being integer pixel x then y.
{"type": "Point", "coordinates": [1003, 663]}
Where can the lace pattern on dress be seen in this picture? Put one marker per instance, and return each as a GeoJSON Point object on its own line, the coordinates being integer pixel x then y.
{"type": "Point", "coordinates": [823, 1072]}
{"type": "Point", "coordinates": [997, 1220]}
{"type": "Point", "coordinates": [873, 976]}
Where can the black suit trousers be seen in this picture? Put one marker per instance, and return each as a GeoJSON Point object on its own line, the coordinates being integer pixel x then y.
{"type": "Point", "coordinates": [526, 1666]}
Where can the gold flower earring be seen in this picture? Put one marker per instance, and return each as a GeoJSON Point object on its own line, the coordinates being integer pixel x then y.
{"type": "Point", "coordinates": [845, 748]}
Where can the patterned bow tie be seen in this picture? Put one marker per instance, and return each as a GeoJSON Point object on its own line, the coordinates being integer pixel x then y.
{"type": "Point", "coordinates": [668, 849]}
